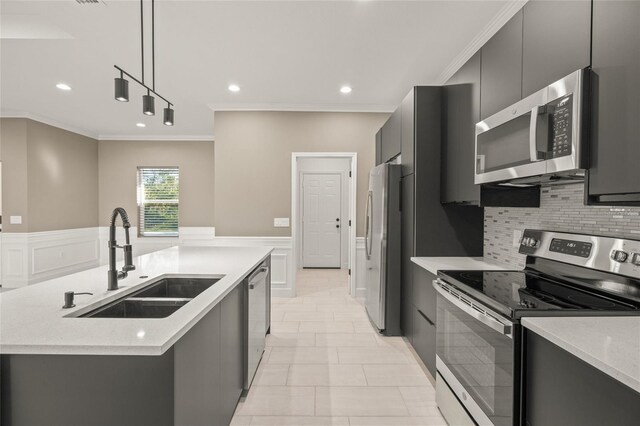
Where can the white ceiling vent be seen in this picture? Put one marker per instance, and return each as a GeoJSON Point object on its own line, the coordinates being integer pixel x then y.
{"type": "Point", "coordinates": [89, 1]}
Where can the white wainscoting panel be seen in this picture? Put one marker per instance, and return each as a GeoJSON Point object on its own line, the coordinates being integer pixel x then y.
{"type": "Point", "coordinates": [281, 279]}
{"type": "Point", "coordinates": [29, 258]}
{"type": "Point", "coordinates": [361, 272]}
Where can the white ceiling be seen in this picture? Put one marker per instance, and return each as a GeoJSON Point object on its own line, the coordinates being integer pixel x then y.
{"type": "Point", "coordinates": [285, 55]}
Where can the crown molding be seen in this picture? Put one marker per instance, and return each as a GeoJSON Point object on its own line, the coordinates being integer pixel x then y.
{"type": "Point", "coordinates": [302, 108]}
{"type": "Point", "coordinates": [5, 113]}
{"type": "Point", "coordinates": [498, 21]}
{"type": "Point", "coordinates": [158, 138]}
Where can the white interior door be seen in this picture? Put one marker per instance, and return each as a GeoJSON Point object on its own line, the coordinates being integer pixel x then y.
{"type": "Point", "coordinates": [321, 225]}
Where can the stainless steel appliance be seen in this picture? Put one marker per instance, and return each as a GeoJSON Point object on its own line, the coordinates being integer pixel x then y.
{"type": "Point", "coordinates": [478, 351]}
{"type": "Point", "coordinates": [382, 246]}
{"type": "Point", "coordinates": [541, 138]}
{"type": "Point", "coordinates": [257, 320]}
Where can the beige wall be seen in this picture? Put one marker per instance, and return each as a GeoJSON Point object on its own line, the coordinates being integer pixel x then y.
{"type": "Point", "coordinates": [13, 154]}
{"type": "Point", "coordinates": [63, 179]}
{"type": "Point", "coordinates": [49, 177]}
{"type": "Point", "coordinates": [119, 161]}
{"type": "Point", "coordinates": [253, 162]}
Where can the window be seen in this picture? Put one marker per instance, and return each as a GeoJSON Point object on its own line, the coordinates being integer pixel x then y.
{"type": "Point", "coordinates": [158, 195]}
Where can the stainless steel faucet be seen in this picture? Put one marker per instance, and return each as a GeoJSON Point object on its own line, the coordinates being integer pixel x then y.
{"type": "Point", "coordinates": [113, 274]}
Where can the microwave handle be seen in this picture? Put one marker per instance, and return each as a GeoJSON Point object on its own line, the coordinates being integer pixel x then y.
{"type": "Point", "coordinates": [535, 153]}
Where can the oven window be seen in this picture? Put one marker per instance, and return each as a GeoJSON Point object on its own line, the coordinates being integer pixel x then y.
{"type": "Point", "coordinates": [504, 146]}
{"type": "Point", "coordinates": [481, 358]}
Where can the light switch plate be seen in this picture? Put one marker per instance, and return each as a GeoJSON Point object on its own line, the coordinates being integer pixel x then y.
{"type": "Point", "coordinates": [15, 220]}
{"type": "Point", "coordinates": [517, 236]}
{"type": "Point", "coordinates": [281, 222]}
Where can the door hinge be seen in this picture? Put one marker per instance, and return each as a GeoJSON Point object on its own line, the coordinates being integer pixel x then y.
{"type": "Point", "coordinates": [349, 271]}
{"type": "Point", "coordinates": [349, 173]}
{"type": "Point", "coordinates": [349, 222]}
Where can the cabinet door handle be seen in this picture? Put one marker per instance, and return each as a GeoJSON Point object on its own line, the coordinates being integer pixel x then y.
{"type": "Point", "coordinates": [426, 318]}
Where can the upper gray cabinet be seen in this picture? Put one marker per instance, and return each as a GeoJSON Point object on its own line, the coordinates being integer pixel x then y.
{"type": "Point", "coordinates": [614, 177]}
{"type": "Point", "coordinates": [390, 144]}
{"type": "Point", "coordinates": [556, 41]}
{"type": "Point", "coordinates": [408, 134]}
{"type": "Point", "coordinates": [501, 80]}
{"type": "Point", "coordinates": [461, 112]}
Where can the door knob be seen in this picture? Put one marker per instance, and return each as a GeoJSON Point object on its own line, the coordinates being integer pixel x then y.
{"type": "Point", "coordinates": [337, 219]}
{"type": "Point", "coordinates": [337, 226]}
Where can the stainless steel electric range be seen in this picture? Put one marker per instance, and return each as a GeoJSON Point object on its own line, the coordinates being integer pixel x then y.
{"type": "Point", "coordinates": [478, 350]}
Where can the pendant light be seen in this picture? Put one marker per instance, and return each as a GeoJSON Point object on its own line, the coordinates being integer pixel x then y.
{"type": "Point", "coordinates": [168, 116]}
{"type": "Point", "coordinates": [121, 89]}
{"type": "Point", "coordinates": [148, 104]}
{"type": "Point", "coordinates": [122, 85]}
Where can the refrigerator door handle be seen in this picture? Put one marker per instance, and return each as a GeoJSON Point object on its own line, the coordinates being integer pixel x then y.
{"type": "Point", "coordinates": [368, 224]}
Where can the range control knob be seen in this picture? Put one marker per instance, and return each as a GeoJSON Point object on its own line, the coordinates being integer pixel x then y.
{"type": "Point", "coordinates": [635, 259]}
{"type": "Point", "coordinates": [530, 242]}
{"type": "Point", "coordinates": [619, 256]}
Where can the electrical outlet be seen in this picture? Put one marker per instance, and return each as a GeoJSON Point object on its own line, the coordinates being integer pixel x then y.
{"type": "Point", "coordinates": [15, 220]}
{"type": "Point", "coordinates": [517, 236]}
{"type": "Point", "coordinates": [281, 222]}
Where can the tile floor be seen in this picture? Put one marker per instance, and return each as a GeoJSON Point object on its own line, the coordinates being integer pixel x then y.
{"type": "Point", "coordinates": [325, 365]}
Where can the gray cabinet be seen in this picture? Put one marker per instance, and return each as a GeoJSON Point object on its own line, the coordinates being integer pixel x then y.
{"type": "Point", "coordinates": [556, 41]}
{"type": "Point", "coordinates": [424, 295]}
{"type": "Point", "coordinates": [232, 320]}
{"type": "Point", "coordinates": [614, 177]}
{"type": "Point", "coordinates": [391, 135]}
{"type": "Point", "coordinates": [461, 110]}
{"type": "Point", "coordinates": [424, 340]}
{"type": "Point", "coordinates": [501, 81]}
{"type": "Point", "coordinates": [407, 109]}
{"type": "Point", "coordinates": [424, 314]}
{"type": "Point", "coordinates": [408, 250]}
{"type": "Point", "coordinates": [561, 389]}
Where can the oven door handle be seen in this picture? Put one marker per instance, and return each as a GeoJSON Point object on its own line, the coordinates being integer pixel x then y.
{"type": "Point", "coordinates": [469, 308]}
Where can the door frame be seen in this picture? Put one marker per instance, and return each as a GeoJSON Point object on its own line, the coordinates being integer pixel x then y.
{"type": "Point", "coordinates": [343, 175]}
{"type": "Point", "coordinates": [295, 216]}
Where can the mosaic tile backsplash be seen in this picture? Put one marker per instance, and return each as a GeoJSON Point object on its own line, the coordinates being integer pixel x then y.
{"type": "Point", "coordinates": [561, 209]}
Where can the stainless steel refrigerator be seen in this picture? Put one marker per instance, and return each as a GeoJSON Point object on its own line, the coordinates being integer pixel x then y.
{"type": "Point", "coordinates": [383, 246]}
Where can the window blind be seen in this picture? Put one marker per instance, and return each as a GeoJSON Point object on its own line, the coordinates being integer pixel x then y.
{"type": "Point", "coordinates": [158, 201]}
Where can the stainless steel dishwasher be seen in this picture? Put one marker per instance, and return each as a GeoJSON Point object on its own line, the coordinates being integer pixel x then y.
{"type": "Point", "coordinates": [257, 304]}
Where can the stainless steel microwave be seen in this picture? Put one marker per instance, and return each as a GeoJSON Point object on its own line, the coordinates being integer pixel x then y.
{"type": "Point", "coordinates": [541, 138]}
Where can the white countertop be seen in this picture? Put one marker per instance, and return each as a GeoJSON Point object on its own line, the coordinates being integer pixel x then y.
{"type": "Point", "coordinates": [435, 264]}
{"type": "Point", "coordinates": [611, 344]}
{"type": "Point", "coordinates": [32, 320]}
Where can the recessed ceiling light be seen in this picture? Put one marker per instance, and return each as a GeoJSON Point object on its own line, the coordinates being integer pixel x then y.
{"type": "Point", "coordinates": [234, 88]}
{"type": "Point", "coordinates": [63, 86]}
{"type": "Point", "coordinates": [141, 125]}
{"type": "Point", "coordinates": [345, 89]}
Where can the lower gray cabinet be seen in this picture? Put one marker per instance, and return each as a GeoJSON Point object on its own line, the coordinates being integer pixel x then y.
{"type": "Point", "coordinates": [422, 312]}
{"type": "Point", "coordinates": [424, 340]}
{"type": "Point", "coordinates": [424, 295]}
{"type": "Point", "coordinates": [231, 352]}
{"type": "Point", "coordinates": [561, 389]}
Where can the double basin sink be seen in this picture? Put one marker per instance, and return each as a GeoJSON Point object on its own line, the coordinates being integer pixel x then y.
{"type": "Point", "coordinates": [158, 299]}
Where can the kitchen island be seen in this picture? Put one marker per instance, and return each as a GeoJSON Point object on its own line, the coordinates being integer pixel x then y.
{"type": "Point", "coordinates": [187, 368]}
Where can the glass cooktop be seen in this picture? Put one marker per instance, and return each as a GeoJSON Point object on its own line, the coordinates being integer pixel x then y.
{"type": "Point", "coordinates": [521, 293]}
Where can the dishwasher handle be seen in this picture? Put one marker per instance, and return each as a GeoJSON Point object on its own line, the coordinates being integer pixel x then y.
{"type": "Point", "coordinates": [257, 276]}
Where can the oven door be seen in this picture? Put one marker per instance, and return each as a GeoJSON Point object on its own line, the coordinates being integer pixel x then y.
{"type": "Point", "coordinates": [476, 356]}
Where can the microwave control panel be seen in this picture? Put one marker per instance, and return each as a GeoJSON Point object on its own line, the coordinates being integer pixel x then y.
{"type": "Point", "coordinates": [560, 124]}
